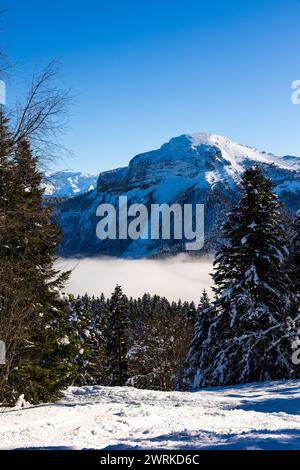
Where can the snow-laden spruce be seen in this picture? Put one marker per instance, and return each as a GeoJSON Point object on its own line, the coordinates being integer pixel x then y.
{"type": "Point", "coordinates": [248, 332]}
{"type": "Point", "coordinates": [117, 343]}
{"type": "Point", "coordinates": [194, 354]}
{"type": "Point", "coordinates": [295, 254]}
{"type": "Point", "coordinates": [88, 319]}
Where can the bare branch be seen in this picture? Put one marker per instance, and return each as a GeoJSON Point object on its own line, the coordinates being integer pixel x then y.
{"type": "Point", "coordinates": [42, 115]}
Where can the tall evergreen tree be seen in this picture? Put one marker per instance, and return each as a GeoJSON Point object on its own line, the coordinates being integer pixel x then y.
{"type": "Point", "coordinates": [195, 350]}
{"type": "Point", "coordinates": [80, 319]}
{"type": "Point", "coordinates": [100, 315]}
{"type": "Point", "coordinates": [6, 169]}
{"type": "Point", "coordinates": [8, 271]}
{"type": "Point", "coordinates": [248, 336]}
{"type": "Point", "coordinates": [41, 363]}
{"type": "Point", "coordinates": [295, 255]}
{"type": "Point", "coordinates": [88, 319]}
{"type": "Point", "coordinates": [117, 343]}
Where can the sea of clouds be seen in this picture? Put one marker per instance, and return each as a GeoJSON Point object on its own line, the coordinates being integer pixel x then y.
{"type": "Point", "coordinates": [178, 277]}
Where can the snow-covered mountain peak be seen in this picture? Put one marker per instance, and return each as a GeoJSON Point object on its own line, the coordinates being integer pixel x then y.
{"type": "Point", "coordinates": [199, 158]}
{"type": "Point", "coordinates": [207, 159]}
{"type": "Point", "coordinates": [210, 148]}
{"type": "Point", "coordinates": [204, 138]}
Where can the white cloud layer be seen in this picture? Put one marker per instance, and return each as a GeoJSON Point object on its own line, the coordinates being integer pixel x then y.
{"type": "Point", "coordinates": [177, 277]}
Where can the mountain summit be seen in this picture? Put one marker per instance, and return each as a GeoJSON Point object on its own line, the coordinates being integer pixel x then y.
{"type": "Point", "coordinates": [208, 152]}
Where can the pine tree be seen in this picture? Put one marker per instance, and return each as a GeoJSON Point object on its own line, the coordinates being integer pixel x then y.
{"type": "Point", "coordinates": [41, 361]}
{"type": "Point", "coordinates": [6, 170]}
{"type": "Point", "coordinates": [248, 336]}
{"type": "Point", "coordinates": [88, 319]}
{"type": "Point", "coordinates": [80, 324]}
{"type": "Point", "coordinates": [9, 302]}
{"type": "Point", "coordinates": [117, 344]}
{"type": "Point", "coordinates": [295, 255]}
{"type": "Point", "coordinates": [195, 350]}
{"type": "Point", "coordinates": [100, 315]}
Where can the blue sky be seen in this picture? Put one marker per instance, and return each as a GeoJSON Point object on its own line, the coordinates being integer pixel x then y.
{"type": "Point", "coordinates": [144, 71]}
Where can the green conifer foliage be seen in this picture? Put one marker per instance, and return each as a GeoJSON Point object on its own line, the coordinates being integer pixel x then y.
{"type": "Point", "coordinates": [33, 311]}
{"type": "Point", "coordinates": [247, 335]}
{"type": "Point", "coordinates": [117, 344]}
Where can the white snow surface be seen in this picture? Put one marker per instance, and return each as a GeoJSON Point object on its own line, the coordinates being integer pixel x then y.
{"type": "Point", "coordinates": [251, 416]}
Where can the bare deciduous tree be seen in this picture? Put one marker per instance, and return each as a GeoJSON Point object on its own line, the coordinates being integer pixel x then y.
{"type": "Point", "coordinates": [41, 115]}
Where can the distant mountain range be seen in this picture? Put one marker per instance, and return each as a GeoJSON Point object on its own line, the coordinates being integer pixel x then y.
{"type": "Point", "coordinates": [68, 183]}
{"type": "Point", "coordinates": [191, 168]}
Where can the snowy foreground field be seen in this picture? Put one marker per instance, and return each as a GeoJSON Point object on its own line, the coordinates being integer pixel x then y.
{"type": "Point", "coordinates": [255, 416]}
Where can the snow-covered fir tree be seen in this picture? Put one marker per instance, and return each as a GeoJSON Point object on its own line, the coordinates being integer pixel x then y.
{"type": "Point", "coordinates": [117, 338]}
{"type": "Point", "coordinates": [88, 320]}
{"type": "Point", "coordinates": [195, 350]}
{"type": "Point", "coordinates": [80, 319]}
{"type": "Point", "coordinates": [248, 331]}
{"type": "Point", "coordinates": [295, 255]}
{"type": "Point", "coordinates": [101, 313]}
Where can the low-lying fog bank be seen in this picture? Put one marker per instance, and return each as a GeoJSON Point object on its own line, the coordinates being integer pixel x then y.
{"type": "Point", "coordinates": [177, 277]}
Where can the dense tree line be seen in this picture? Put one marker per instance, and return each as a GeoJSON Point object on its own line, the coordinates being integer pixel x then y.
{"type": "Point", "coordinates": [140, 342]}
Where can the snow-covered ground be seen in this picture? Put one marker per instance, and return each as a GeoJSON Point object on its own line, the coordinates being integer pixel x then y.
{"type": "Point", "coordinates": [255, 416]}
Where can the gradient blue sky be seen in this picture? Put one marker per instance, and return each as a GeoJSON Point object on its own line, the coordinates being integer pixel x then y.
{"type": "Point", "coordinates": [144, 71]}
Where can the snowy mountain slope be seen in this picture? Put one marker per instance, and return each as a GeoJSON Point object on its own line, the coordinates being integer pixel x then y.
{"type": "Point", "coordinates": [192, 168]}
{"type": "Point", "coordinates": [251, 416]}
{"type": "Point", "coordinates": [68, 183]}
